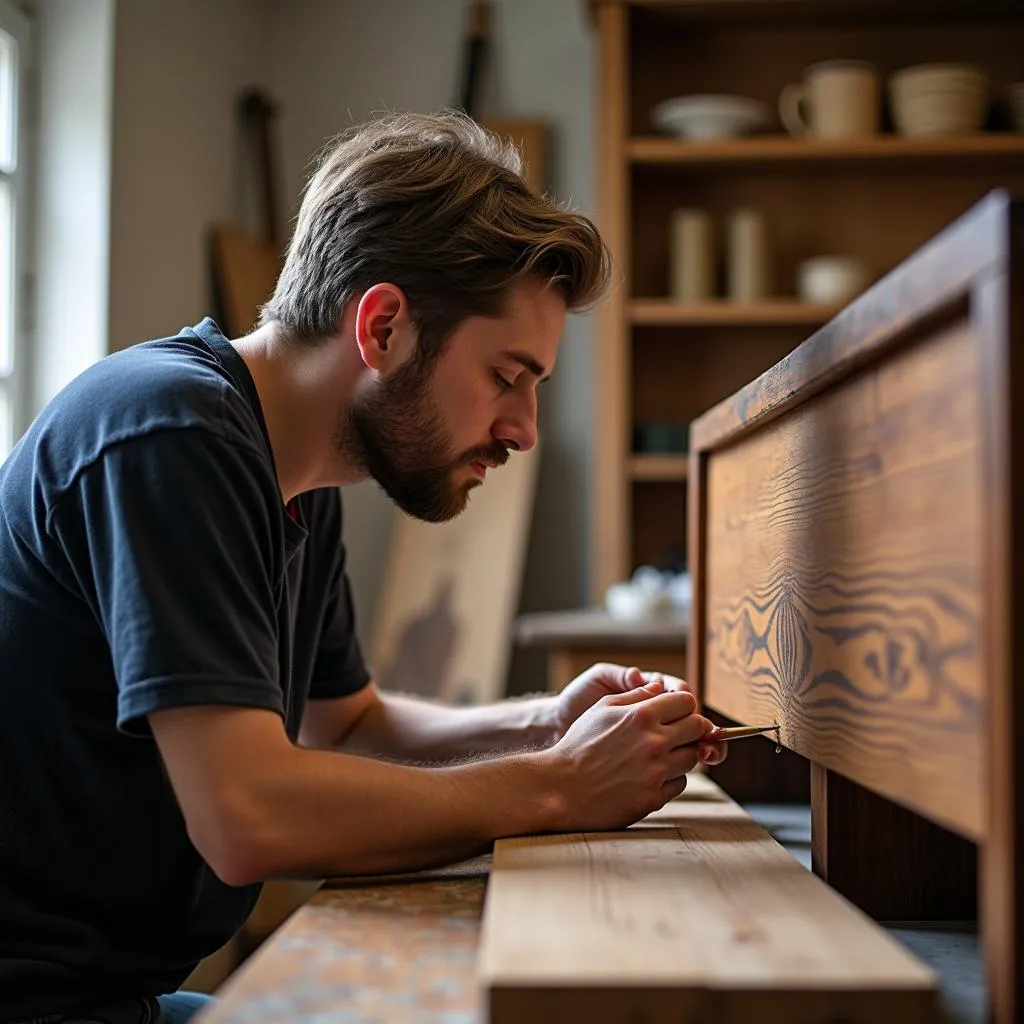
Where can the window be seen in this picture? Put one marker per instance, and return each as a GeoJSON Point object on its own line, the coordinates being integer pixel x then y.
{"type": "Point", "coordinates": [14, 43]}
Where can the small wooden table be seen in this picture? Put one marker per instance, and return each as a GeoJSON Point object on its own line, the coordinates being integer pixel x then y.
{"type": "Point", "coordinates": [575, 640]}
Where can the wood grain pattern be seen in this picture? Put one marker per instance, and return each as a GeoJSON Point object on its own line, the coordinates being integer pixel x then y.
{"type": "Point", "coordinates": [843, 580]}
{"type": "Point", "coordinates": [696, 914]}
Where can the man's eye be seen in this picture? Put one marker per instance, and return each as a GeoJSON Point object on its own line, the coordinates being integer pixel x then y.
{"type": "Point", "coordinates": [502, 383]}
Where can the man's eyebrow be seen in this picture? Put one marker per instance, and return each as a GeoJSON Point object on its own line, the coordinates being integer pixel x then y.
{"type": "Point", "coordinates": [530, 363]}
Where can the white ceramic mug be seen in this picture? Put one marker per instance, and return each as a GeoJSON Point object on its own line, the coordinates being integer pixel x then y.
{"type": "Point", "coordinates": [838, 99]}
{"type": "Point", "coordinates": [831, 280]}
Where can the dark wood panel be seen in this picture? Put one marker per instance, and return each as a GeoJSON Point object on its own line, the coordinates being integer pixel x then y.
{"type": "Point", "coordinates": [890, 862]}
{"type": "Point", "coordinates": [844, 577]}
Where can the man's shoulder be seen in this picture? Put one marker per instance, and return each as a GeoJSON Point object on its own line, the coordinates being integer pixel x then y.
{"type": "Point", "coordinates": [170, 384]}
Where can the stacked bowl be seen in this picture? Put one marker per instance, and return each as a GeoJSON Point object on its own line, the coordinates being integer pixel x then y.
{"type": "Point", "coordinates": [939, 99]}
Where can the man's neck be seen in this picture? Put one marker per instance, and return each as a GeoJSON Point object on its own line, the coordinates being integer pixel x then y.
{"type": "Point", "coordinates": [304, 391]}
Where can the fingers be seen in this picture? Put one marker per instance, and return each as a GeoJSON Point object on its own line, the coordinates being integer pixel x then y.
{"type": "Point", "coordinates": [674, 705]}
{"type": "Point", "coordinates": [673, 788]}
{"type": "Point", "coordinates": [669, 682]}
{"type": "Point", "coordinates": [680, 761]}
{"type": "Point", "coordinates": [645, 692]}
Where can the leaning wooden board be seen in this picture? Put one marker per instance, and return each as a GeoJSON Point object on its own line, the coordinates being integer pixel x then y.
{"type": "Point", "coordinates": [695, 915]}
{"type": "Point", "coordinates": [857, 577]}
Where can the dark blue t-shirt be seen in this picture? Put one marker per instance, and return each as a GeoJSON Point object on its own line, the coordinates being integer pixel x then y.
{"type": "Point", "coordinates": [146, 562]}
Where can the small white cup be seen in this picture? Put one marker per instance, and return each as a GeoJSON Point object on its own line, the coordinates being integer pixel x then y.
{"type": "Point", "coordinates": [831, 280]}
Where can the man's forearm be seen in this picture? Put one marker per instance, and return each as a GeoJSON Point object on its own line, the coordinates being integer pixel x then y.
{"type": "Point", "coordinates": [415, 730]}
{"type": "Point", "coordinates": [337, 814]}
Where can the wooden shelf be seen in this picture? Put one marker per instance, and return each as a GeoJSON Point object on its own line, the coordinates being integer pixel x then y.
{"type": "Point", "coordinates": [722, 313]}
{"type": "Point", "coordinates": [658, 468]}
{"type": "Point", "coordinates": [771, 149]}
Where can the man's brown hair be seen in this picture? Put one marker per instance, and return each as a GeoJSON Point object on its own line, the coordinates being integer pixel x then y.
{"type": "Point", "coordinates": [436, 205]}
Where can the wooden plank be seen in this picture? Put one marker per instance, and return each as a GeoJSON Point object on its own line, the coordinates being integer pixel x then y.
{"type": "Point", "coordinates": [531, 138]}
{"type": "Point", "coordinates": [246, 269]}
{"type": "Point", "coordinates": [843, 584]}
{"type": "Point", "coordinates": [610, 528]}
{"type": "Point", "coordinates": [442, 627]}
{"type": "Point", "coordinates": [893, 864]}
{"type": "Point", "coordinates": [696, 914]}
{"type": "Point", "coordinates": [937, 276]}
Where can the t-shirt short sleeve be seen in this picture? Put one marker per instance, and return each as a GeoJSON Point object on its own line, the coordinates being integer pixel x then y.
{"type": "Point", "coordinates": [172, 539]}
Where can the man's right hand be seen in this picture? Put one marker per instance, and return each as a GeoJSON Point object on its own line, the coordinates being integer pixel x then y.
{"type": "Point", "coordinates": [627, 756]}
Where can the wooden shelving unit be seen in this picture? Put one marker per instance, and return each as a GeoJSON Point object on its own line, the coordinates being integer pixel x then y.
{"type": "Point", "coordinates": [879, 199]}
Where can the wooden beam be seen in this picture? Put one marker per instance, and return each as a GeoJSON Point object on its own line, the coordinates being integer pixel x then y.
{"type": "Point", "coordinates": [696, 914]}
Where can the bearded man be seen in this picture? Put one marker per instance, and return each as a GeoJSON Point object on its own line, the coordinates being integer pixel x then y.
{"type": "Point", "coordinates": [184, 708]}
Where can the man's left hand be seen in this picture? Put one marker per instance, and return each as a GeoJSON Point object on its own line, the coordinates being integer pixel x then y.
{"type": "Point", "coordinates": [602, 679]}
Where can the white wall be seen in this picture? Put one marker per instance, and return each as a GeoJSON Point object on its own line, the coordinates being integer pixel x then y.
{"type": "Point", "coordinates": [75, 45]}
{"type": "Point", "coordinates": [336, 62]}
{"type": "Point", "coordinates": [179, 65]}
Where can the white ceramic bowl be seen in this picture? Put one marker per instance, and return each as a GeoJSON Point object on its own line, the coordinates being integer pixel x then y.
{"type": "Point", "coordinates": [710, 117]}
{"type": "Point", "coordinates": [831, 280]}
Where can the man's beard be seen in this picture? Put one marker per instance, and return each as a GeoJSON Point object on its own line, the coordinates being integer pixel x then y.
{"type": "Point", "coordinates": [397, 435]}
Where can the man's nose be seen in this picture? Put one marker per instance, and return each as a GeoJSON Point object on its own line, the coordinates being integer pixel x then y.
{"type": "Point", "coordinates": [518, 432]}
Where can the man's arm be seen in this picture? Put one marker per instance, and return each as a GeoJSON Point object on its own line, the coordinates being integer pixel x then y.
{"type": "Point", "coordinates": [390, 725]}
{"type": "Point", "coordinates": [257, 806]}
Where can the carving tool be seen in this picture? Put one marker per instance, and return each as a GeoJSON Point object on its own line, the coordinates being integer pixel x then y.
{"type": "Point", "coordinates": [737, 732]}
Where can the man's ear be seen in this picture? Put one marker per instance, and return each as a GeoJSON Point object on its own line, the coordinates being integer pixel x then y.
{"type": "Point", "coordinates": [384, 332]}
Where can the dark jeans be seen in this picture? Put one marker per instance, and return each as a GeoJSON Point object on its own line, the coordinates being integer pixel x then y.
{"type": "Point", "coordinates": [175, 1008]}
